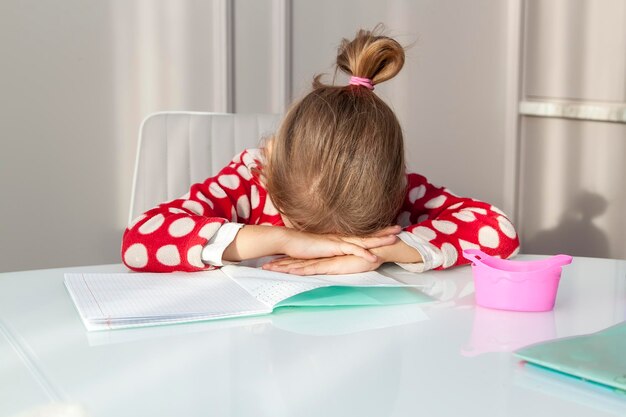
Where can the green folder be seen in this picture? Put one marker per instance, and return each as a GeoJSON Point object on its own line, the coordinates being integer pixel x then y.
{"type": "Point", "coordinates": [598, 357]}
{"type": "Point", "coordinates": [355, 296]}
{"type": "Point", "coordinates": [344, 310]}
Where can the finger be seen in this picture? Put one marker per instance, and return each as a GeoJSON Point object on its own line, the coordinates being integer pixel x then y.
{"type": "Point", "coordinates": [276, 266]}
{"type": "Point", "coordinates": [284, 266]}
{"type": "Point", "coordinates": [287, 266]}
{"type": "Point", "coordinates": [381, 240]}
{"type": "Point", "coordinates": [372, 242]}
{"type": "Point", "coordinates": [282, 260]}
{"type": "Point", "coordinates": [352, 249]}
{"type": "Point", "coordinates": [278, 259]}
{"type": "Point", "coordinates": [389, 230]}
{"type": "Point", "coordinates": [268, 264]}
{"type": "Point", "coordinates": [318, 267]}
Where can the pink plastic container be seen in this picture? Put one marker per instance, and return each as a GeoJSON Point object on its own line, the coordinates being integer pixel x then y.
{"type": "Point", "coordinates": [516, 285]}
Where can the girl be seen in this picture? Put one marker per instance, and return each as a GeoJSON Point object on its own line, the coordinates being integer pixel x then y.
{"type": "Point", "coordinates": [329, 191]}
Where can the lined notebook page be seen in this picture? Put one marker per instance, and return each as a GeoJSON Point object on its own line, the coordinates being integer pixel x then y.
{"type": "Point", "coordinates": [165, 297]}
{"type": "Point", "coordinates": [273, 287]}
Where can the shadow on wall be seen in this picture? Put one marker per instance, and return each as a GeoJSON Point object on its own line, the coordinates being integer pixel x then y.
{"type": "Point", "coordinates": [576, 234]}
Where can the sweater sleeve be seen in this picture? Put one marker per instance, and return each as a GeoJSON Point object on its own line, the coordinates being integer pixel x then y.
{"type": "Point", "coordinates": [440, 225]}
{"type": "Point", "coordinates": [171, 236]}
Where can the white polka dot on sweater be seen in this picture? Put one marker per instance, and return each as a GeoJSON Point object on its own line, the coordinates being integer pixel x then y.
{"type": "Point", "coordinates": [424, 232]}
{"type": "Point", "coordinates": [243, 207]}
{"type": "Point", "coordinates": [467, 245]}
{"type": "Point", "coordinates": [450, 254]}
{"type": "Point", "coordinates": [476, 210]}
{"type": "Point", "coordinates": [194, 206]}
{"type": "Point", "coordinates": [194, 256]}
{"type": "Point", "coordinates": [151, 225]}
{"type": "Point", "coordinates": [204, 198]}
{"type": "Point", "coordinates": [488, 237]}
{"type": "Point", "coordinates": [506, 227]}
{"type": "Point", "coordinates": [417, 193]}
{"type": "Point", "coordinates": [456, 205]}
{"type": "Point", "coordinates": [168, 255]}
{"type": "Point", "coordinates": [422, 218]}
{"type": "Point", "coordinates": [181, 227]}
{"type": "Point", "coordinates": [216, 190]}
{"type": "Point", "coordinates": [445, 226]}
{"type": "Point", "coordinates": [176, 210]}
{"type": "Point", "coordinates": [244, 172]}
{"type": "Point", "coordinates": [136, 220]}
{"type": "Point", "coordinates": [254, 197]}
{"type": "Point", "coordinates": [465, 215]}
{"type": "Point", "coordinates": [404, 219]}
{"type": "Point", "coordinates": [208, 230]}
{"type": "Point", "coordinates": [136, 256]}
{"type": "Point", "coordinates": [229, 181]}
{"type": "Point", "coordinates": [248, 159]}
{"type": "Point", "coordinates": [436, 202]}
{"type": "Point", "coordinates": [269, 208]}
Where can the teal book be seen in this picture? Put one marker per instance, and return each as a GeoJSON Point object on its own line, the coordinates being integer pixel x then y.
{"type": "Point", "coordinates": [599, 357]}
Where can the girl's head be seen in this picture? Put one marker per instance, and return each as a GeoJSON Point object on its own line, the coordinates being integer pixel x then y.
{"type": "Point", "coordinates": [337, 162]}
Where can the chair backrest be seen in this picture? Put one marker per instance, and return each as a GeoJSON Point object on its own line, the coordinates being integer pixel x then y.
{"type": "Point", "coordinates": [177, 149]}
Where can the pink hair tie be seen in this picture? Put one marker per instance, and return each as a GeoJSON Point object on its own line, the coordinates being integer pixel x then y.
{"type": "Point", "coordinates": [365, 82]}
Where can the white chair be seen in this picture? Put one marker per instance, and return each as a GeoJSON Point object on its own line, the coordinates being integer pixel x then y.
{"type": "Point", "coordinates": [177, 149]}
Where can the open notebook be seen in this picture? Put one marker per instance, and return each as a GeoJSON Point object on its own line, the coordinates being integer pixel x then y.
{"type": "Point", "coordinates": [111, 301]}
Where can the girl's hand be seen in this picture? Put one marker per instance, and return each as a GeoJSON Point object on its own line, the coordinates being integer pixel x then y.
{"type": "Point", "coordinates": [254, 241]}
{"type": "Point", "coordinates": [303, 245]}
{"type": "Point", "coordinates": [346, 264]}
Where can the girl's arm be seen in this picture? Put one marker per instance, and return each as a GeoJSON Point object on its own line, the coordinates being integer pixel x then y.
{"type": "Point", "coordinates": [171, 236]}
{"type": "Point", "coordinates": [399, 252]}
{"type": "Point", "coordinates": [439, 225]}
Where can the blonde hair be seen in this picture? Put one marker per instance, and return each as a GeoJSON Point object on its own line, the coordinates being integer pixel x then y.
{"type": "Point", "coordinates": [337, 161]}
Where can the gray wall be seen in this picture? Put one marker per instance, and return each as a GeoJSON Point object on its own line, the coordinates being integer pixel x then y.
{"type": "Point", "coordinates": [572, 180]}
{"type": "Point", "coordinates": [80, 75]}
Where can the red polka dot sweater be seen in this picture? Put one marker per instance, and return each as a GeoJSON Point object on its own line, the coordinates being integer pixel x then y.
{"type": "Point", "coordinates": [179, 235]}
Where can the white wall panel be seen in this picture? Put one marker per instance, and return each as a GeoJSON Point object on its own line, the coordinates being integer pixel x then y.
{"type": "Point", "coordinates": [254, 56]}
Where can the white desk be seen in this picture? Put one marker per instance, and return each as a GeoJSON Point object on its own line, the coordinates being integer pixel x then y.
{"type": "Point", "coordinates": [447, 358]}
